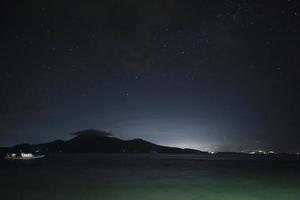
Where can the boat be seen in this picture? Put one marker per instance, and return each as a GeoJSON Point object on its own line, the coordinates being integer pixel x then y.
{"type": "Point", "coordinates": [22, 156]}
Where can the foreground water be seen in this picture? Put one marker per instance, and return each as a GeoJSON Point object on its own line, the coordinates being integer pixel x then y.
{"type": "Point", "coordinates": [148, 177]}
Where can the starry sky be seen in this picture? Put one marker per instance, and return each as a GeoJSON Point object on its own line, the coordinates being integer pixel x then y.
{"type": "Point", "coordinates": [212, 75]}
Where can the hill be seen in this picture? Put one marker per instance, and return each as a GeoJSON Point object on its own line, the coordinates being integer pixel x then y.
{"type": "Point", "coordinates": [94, 141]}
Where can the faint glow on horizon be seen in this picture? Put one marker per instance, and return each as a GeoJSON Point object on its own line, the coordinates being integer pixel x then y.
{"type": "Point", "coordinates": [189, 145]}
{"type": "Point", "coordinates": [184, 132]}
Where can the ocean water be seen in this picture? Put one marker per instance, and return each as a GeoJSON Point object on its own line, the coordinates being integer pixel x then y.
{"type": "Point", "coordinates": [149, 177]}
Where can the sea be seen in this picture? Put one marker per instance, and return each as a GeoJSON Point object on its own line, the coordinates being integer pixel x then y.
{"type": "Point", "coordinates": [150, 177]}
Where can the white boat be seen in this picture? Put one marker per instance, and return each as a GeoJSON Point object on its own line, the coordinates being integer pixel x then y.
{"type": "Point", "coordinates": [22, 156]}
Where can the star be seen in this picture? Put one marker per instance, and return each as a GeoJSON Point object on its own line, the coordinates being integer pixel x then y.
{"type": "Point", "coordinates": [126, 94]}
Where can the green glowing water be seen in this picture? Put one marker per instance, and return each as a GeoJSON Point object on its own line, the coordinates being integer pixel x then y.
{"type": "Point", "coordinates": [119, 177]}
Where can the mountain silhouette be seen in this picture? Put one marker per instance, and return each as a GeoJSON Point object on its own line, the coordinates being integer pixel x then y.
{"type": "Point", "coordinates": [94, 141]}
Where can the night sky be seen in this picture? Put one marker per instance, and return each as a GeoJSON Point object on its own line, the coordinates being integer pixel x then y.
{"type": "Point", "coordinates": [212, 75]}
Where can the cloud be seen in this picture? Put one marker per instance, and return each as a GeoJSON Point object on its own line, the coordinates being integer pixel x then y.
{"type": "Point", "coordinates": [93, 132]}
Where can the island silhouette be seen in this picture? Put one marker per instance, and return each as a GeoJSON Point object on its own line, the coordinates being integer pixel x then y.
{"type": "Point", "coordinates": [95, 141]}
